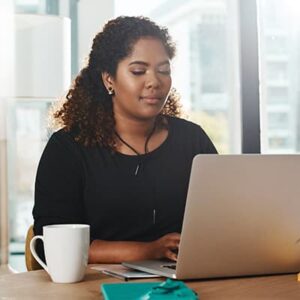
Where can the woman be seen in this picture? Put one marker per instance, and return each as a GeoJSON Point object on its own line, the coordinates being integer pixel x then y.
{"type": "Point", "coordinates": [121, 161]}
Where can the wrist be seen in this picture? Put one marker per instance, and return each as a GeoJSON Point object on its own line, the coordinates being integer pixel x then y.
{"type": "Point", "coordinates": [148, 250]}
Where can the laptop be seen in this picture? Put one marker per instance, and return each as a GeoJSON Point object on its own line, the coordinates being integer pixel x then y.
{"type": "Point", "coordinates": [242, 217]}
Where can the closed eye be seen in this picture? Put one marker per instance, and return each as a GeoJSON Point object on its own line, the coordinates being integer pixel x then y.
{"type": "Point", "coordinates": [164, 69]}
{"type": "Point", "coordinates": [142, 72]}
{"type": "Point", "coordinates": [165, 72]}
{"type": "Point", "coordinates": [137, 73]}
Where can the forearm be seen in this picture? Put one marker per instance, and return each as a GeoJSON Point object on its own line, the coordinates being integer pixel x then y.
{"type": "Point", "coordinates": [117, 252]}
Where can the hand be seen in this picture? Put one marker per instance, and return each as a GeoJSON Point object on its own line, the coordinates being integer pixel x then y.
{"type": "Point", "coordinates": [165, 247]}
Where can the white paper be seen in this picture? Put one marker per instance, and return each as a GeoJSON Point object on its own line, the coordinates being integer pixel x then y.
{"type": "Point", "coordinates": [122, 272]}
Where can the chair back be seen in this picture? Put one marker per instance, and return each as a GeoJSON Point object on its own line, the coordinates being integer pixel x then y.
{"type": "Point", "coordinates": [31, 263]}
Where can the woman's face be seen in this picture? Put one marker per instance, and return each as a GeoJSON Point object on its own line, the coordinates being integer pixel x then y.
{"type": "Point", "coordinates": [143, 81]}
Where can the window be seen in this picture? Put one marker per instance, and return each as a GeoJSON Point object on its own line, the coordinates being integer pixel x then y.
{"type": "Point", "coordinates": [277, 71]}
{"type": "Point", "coordinates": [40, 67]}
{"type": "Point", "coordinates": [206, 68]}
{"type": "Point", "coordinates": [277, 95]}
{"type": "Point", "coordinates": [210, 61]}
{"type": "Point", "coordinates": [280, 75]}
{"type": "Point", "coordinates": [278, 120]}
{"type": "Point", "coordinates": [276, 44]}
{"type": "Point", "coordinates": [27, 136]}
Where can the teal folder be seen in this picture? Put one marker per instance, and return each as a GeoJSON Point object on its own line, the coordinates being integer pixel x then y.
{"type": "Point", "coordinates": [167, 290]}
{"type": "Point", "coordinates": [126, 291]}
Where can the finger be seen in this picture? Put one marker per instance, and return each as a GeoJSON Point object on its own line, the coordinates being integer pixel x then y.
{"type": "Point", "coordinates": [171, 255]}
{"type": "Point", "coordinates": [172, 244]}
{"type": "Point", "coordinates": [174, 236]}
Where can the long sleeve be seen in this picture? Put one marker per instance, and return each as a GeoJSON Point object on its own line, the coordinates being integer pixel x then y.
{"type": "Point", "coordinates": [59, 184]}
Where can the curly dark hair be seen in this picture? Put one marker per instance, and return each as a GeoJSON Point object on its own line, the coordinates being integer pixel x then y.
{"type": "Point", "coordinates": [87, 109]}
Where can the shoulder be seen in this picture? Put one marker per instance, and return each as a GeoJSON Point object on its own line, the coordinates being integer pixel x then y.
{"type": "Point", "coordinates": [62, 144]}
{"type": "Point", "coordinates": [191, 134]}
{"type": "Point", "coordinates": [63, 137]}
{"type": "Point", "coordinates": [185, 126]}
{"type": "Point", "coordinates": [61, 154]}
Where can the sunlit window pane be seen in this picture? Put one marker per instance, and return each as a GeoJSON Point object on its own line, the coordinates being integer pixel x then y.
{"type": "Point", "coordinates": [42, 73]}
{"type": "Point", "coordinates": [27, 136]}
{"type": "Point", "coordinates": [206, 69]}
{"type": "Point", "coordinates": [279, 75]}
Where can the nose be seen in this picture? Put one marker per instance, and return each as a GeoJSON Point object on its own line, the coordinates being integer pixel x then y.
{"type": "Point", "coordinates": [152, 80]}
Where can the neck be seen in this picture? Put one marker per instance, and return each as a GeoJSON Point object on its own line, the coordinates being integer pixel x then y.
{"type": "Point", "coordinates": [133, 128]}
{"type": "Point", "coordinates": [133, 136]}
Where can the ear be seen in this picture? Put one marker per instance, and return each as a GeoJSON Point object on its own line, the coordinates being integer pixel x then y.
{"type": "Point", "coordinates": [107, 80]}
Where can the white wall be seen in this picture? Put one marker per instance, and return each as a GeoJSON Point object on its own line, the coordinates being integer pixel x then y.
{"type": "Point", "coordinates": [92, 15]}
{"type": "Point", "coordinates": [35, 63]}
{"type": "Point", "coordinates": [43, 56]}
{"type": "Point", "coordinates": [7, 49]}
{"type": "Point", "coordinates": [6, 89]}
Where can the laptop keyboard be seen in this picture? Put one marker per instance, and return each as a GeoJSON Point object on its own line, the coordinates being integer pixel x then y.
{"type": "Point", "coordinates": [173, 267]}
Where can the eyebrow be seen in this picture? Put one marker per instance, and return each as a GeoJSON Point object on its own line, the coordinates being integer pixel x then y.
{"type": "Point", "coordinates": [139, 62]}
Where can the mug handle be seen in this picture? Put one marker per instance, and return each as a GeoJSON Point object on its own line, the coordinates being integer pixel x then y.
{"type": "Point", "coordinates": [32, 249]}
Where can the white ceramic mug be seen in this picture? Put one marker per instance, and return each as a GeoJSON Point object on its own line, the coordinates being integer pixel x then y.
{"type": "Point", "coordinates": [66, 249]}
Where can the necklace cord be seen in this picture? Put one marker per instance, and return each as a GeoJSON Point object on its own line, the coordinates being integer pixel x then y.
{"type": "Point", "coordinates": [146, 150]}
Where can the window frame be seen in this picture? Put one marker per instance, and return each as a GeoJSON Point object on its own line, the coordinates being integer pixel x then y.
{"type": "Point", "coordinates": [249, 77]}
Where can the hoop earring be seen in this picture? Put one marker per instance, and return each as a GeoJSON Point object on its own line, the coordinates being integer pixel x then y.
{"type": "Point", "coordinates": [110, 90]}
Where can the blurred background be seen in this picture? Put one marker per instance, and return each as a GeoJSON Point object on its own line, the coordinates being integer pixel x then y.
{"type": "Point", "coordinates": [237, 70]}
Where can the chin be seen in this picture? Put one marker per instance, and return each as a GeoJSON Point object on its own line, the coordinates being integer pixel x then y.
{"type": "Point", "coordinates": [150, 115]}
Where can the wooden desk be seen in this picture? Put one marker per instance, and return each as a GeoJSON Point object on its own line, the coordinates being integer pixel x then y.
{"type": "Point", "coordinates": [37, 285]}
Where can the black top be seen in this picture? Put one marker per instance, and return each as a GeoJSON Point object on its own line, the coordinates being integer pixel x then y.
{"type": "Point", "coordinates": [92, 185]}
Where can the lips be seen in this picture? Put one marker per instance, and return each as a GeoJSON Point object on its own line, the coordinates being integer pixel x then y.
{"type": "Point", "coordinates": [153, 99]}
